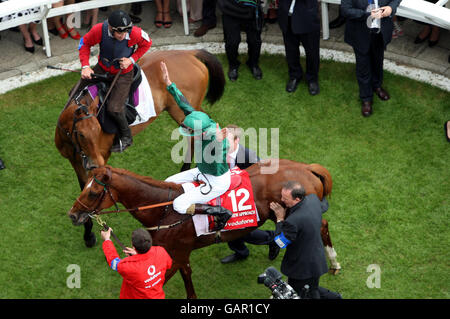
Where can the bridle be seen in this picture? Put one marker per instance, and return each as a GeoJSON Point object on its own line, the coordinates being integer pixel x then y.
{"type": "Point", "coordinates": [100, 198]}
{"type": "Point", "coordinates": [94, 213]}
{"type": "Point", "coordinates": [85, 109]}
{"type": "Point", "coordinates": [73, 135]}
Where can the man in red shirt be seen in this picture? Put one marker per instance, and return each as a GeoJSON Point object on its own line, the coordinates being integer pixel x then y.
{"type": "Point", "coordinates": [121, 46]}
{"type": "Point", "coordinates": [144, 269]}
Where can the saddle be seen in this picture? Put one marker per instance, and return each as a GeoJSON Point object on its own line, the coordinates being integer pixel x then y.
{"type": "Point", "coordinates": [238, 199]}
{"type": "Point", "coordinates": [107, 123]}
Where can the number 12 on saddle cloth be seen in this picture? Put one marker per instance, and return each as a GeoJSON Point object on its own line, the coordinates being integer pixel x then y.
{"type": "Point", "coordinates": [239, 200]}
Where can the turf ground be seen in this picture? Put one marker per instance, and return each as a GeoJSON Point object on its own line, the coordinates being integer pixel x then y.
{"type": "Point", "coordinates": [389, 206]}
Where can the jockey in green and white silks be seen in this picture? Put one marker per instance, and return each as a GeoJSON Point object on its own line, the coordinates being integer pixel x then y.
{"type": "Point", "coordinates": [210, 149]}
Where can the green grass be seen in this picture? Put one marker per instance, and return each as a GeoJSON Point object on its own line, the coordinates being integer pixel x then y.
{"type": "Point", "coordinates": [390, 201]}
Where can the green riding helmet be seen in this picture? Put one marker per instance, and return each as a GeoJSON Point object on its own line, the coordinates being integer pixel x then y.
{"type": "Point", "coordinates": [195, 124]}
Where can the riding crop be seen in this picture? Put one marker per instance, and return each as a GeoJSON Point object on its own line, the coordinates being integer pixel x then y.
{"type": "Point", "coordinates": [102, 76]}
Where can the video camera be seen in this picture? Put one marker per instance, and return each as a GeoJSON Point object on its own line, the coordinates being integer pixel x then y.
{"type": "Point", "coordinates": [280, 290]}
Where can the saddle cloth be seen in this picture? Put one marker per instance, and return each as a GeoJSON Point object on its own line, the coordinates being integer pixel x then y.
{"type": "Point", "coordinates": [143, 99]}
{"type": "Point", "coordinates": [238, 199]}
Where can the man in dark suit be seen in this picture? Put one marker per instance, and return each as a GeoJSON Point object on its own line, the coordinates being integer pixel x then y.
{"type": "Point", "coordinates": [299, 23]}
{"type": "Point", "coordinates": [304, 261]}
{"type": "Point", "coordinates": [237, 17]}
{"type": "Point", "coordinates": [369, 46]}
{"type": "Point", "coordinates": [243, 158]}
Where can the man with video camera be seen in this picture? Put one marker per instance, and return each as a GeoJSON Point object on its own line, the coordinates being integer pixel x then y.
{"type": "Point", "coordinates": [298, 230]}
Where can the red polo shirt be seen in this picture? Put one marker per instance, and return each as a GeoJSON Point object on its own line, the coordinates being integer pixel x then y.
{"type": "Point", "coordinates": [143, 274]}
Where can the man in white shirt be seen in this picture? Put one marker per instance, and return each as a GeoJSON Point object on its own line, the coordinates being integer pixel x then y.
{"type": "Point", "coordinates": [239, 155]}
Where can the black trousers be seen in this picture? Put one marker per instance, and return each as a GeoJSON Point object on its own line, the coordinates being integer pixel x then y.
{"type": "Point", "coordinates": [369, 67]}
{"type": "Point", "coordinates": [256, 237]}
{"type": "Point", "coordinates": [232, 36]}
{"type": "Point", "coordinates": [311, 44]}
{"type": "Point", "coordinates": [209, 12]}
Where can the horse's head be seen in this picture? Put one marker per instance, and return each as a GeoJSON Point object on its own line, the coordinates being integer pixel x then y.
{"type": "Point", "coordinates": [86, 133]}
{"type": "Point", "coordinates": [96, 195]}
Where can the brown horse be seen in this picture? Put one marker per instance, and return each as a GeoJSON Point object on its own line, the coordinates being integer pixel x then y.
{"type": "Point", "coordinates": [110, 185]}
{"type": "Point", "coordinates": [79, 137]}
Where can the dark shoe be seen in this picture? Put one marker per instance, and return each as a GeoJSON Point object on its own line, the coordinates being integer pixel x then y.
{"type": "Point", "coordinates": [432, 43]}
{"type": "Point", "coordinates": [313, 88]}
{"type": "Point", "coordinates": [38, 42]}
{"type": "Point", "coordinates": [122, 144]}
{"type": "Point", "coordinates": [257, 73]}
{"type": "Point", "coordinates": [292, 84]}
{"type": "Point", "coordinates": [382, 94]}
{"type": "Point", "coordinates": [203, 29]}
{"type": "Point", "coordinates": [2, 165]}
{"type": "Point", "coordinates": [446, 125]}
{"type": "Point", "coordinates": [336, 23]}
{"type": "Point", "coordinates": [366, 108]}
{"type": "Point", "coordinates": [418, 39]}
{"type": "Point", "coordinates": [274, 250]}
{"type": "Point", "coordinates": [158, 23]}
{"type": "Point", "coordinates": [233, 74]}
{"type": "Point", "coordinates": [29, 49]}
{"type": "Point", "coordinates": [167, 24]}
{"type": "Point", "coordinates": [232, 258]}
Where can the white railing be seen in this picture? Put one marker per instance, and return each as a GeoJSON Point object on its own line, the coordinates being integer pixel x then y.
{"type": "Point", "coordinates": [431, 13]}
{"type": "Point", "coordinates": [46, 11]}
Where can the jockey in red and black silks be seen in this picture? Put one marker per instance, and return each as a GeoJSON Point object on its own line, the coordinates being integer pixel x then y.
{"type": "Point", "coordinates": [121, 46]}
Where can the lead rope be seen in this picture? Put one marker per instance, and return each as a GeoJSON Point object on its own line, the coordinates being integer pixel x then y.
{"type": "Point", "coordinates": [103, 224]}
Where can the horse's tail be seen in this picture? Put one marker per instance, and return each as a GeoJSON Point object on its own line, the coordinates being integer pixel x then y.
{"type": "Point", "coordinates": [325, 177]}
{"type": "Point", "coordinates": [216, 75]}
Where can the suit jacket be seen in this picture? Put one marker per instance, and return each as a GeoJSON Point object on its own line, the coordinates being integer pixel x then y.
{"type": "Point", "coordinates": [305, 256]}
{"type": "Point", "coordinates": [357, 33]}
{"type": "Point", "coordinates": [305, 18]}
{"type": "Point", "coordinates": [245, 157]}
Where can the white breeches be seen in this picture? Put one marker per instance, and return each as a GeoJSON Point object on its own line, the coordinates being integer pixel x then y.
{"type": "Point", "coordinates": [215, 186]}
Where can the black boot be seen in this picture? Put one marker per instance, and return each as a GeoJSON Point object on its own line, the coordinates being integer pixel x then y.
{"type": "Point", "coordinates": [126, 139]}
{"type": "Point", "coordinates": [221, 215]}
{"type": "Point", "coordinates": [2, 165]}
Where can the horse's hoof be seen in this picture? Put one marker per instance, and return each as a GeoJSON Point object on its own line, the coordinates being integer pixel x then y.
{"type": "Point", "coordinates": [91, 241]}
{"type": "Point", "coordinates": [333, 271]}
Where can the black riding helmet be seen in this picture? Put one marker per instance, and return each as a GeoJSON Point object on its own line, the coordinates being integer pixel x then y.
{"type": "Point", "coordinates": [120, 21]}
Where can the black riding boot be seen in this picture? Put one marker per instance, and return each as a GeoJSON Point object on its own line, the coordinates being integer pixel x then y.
{"type": "Point", "coordinates": [221, 215]}
{"type": "Point", "coordinates": [126, 139]}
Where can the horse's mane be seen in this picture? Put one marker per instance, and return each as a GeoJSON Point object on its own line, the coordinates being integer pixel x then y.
{"type": "Point", "coordinates": [146, 179]}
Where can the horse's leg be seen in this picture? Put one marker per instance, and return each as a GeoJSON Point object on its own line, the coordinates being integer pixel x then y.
{"type": "Point", "coordinates": [186, 273]}
{"type": "Point", "coordinates": [329, 250]}
{"type": "Point", "coordinates": [89, 237]}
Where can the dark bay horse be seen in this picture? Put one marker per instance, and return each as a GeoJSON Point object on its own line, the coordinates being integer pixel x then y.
{"type": "Point", "coordinates": [78, 134]}
{"type": "Point", "coordinates": [109, 185]}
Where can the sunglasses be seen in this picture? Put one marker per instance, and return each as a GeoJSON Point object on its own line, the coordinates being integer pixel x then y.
{"type": "Point", "coordinates": [121, 29]}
